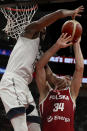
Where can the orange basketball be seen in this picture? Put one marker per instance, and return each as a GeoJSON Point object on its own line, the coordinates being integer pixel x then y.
{"type": "Point", "coordinates": [73, 28]}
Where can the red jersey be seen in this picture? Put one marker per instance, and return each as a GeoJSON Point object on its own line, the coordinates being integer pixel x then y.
{"type": "Point", "coordinates": [57, 111]}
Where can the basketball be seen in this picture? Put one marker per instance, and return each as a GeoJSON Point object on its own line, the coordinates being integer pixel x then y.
{"type": "Point", "coordinates": [73, 28]}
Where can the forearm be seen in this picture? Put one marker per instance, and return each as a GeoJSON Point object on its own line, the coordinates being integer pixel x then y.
{"type": "Point", "coordinates": [52, 17]}
{"type": "Point", "coordinates": [60, 43]}
{"type": "Point", "coordinates": [78, 74]}
{"type": "Point", "coordinates": [65, 13]}
{"type": "Point", "coordinates": [78, 57]}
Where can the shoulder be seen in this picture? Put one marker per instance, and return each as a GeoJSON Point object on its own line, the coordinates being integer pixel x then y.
{"type": "Point", "coordinates": [32, 28]}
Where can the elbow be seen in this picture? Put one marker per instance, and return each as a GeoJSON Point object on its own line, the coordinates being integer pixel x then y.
{"type": "Point", "coordinates": [39, 25]}
{"type": "Point", "coordinates": [38, 67]}
{"type": "Point", "coordinates": [34, 26]}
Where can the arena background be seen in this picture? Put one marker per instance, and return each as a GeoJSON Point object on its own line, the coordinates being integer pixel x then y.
{"type": "Point", "coordinates": [63, 61]}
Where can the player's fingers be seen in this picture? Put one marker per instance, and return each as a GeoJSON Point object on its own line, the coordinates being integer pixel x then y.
{"type": "Point", "coordinates": [77, 11]}
{"type": "Point", "coordinates": [69, 38]}
{"type": "Point", "coordinates": [69, 44]}
{"type": "Point", "coordinates": [78, 15]}
{"type": "Point", "coordinates": [80, 8]}
{"type": "Point", "coordinates": [74, 16]}
{"type": "Point", "coordinates": [61, 35]}
{"type": "Point", "coordinates": [65, 35]}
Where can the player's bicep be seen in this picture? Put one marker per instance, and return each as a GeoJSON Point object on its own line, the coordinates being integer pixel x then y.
{"type": "Point", "coordinates": [41, 79]}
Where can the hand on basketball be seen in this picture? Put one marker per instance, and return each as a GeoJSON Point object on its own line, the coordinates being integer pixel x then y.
{"type": "Point", "coordinates": [78, 41]}
{"type": "Point", "coordinates": [64, 41]}
{"type": "Point", "coordinates": [77, 11]}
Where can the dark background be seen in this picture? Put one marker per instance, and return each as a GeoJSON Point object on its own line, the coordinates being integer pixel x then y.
{"type": "Point", "coordinates": [53, 32]}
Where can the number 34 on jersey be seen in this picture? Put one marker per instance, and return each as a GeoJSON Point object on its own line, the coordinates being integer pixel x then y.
{"type": "Point", "coordinates": [58, 106]}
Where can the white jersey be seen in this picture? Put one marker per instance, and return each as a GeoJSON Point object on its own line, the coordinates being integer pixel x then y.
{"type": "Point", "coordinates": [23, 57]}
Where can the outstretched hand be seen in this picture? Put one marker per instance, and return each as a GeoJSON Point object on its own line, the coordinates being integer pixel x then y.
{"type": "Point", "coordinates": [77, 12]}
{"type": "Point", "coordinates": [64, 41]}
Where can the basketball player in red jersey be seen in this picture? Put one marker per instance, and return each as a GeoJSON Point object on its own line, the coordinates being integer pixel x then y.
{"type": "Point", "coordinates": [57, 105]}
{"type": "Point", "coordinates": [17, 97]}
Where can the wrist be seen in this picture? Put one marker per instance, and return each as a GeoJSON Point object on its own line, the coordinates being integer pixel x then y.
{"type": "Point", "coordinates": [66, 12]}
{"type": "Point", "coordinates": [57, 45]}
{"type": "Point", "coordinates": [75, 45]}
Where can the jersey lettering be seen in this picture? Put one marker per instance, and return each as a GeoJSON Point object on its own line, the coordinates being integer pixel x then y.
{"type": "Point", "coordinates": [64, 97]}
{"type": "Point", "coordinates": [58, 106]}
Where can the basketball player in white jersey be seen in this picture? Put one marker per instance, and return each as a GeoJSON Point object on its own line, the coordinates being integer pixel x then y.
{"type": "Point", "coordinates": [14, 91]}
{"type": "Point", "coordinates": [59, 103]}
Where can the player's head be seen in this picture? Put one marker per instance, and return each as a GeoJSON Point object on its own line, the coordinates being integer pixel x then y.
{"type": "Point", "coordinates": [60, 83]}
{"type": "Point", "coordinates": [63, 82]}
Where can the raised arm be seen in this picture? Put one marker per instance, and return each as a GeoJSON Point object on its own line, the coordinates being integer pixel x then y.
{"type": "Point", "coordinates": [40, 71]}
{"type": "Point", "coordinates": [51, 18]}
{"type": "Point", "coordinates": [79, 68]}
{"type": "Point", "coordinates": [60, 43]}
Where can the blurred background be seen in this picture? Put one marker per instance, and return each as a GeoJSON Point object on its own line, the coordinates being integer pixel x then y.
{"type": "Point", "coordinates": [63, 61]}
